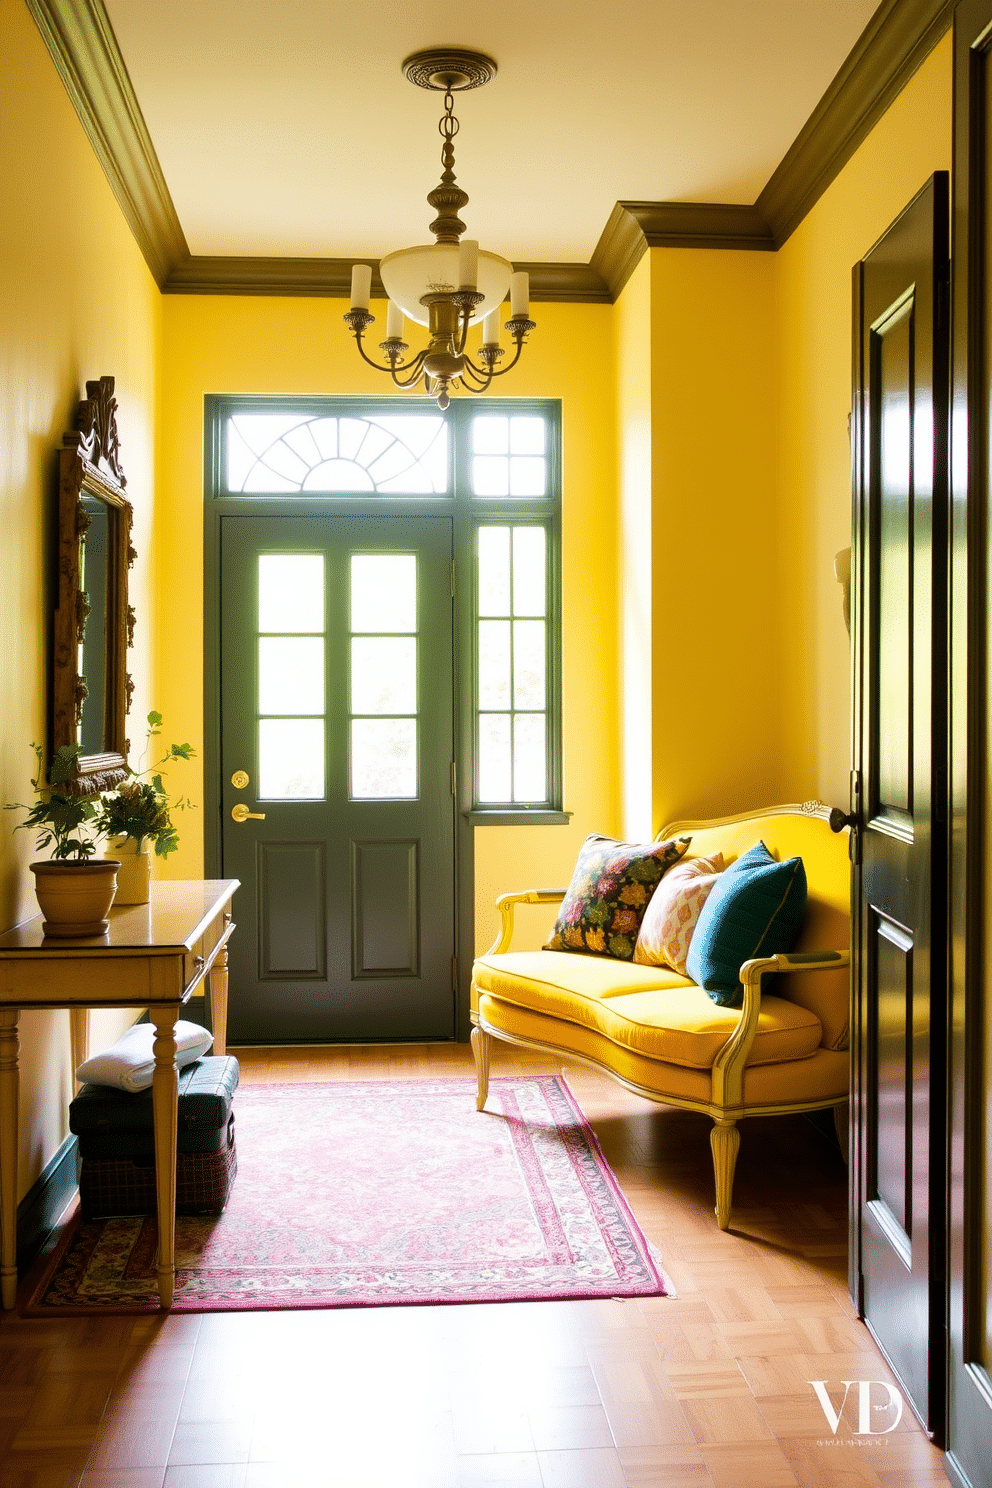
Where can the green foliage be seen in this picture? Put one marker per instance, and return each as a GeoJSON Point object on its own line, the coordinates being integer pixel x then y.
{"type": "Point", "coordinates": [58, 815]}
{"type": "Point", "coordinates": [140, 808]}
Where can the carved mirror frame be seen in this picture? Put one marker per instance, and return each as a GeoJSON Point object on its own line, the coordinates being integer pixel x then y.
{"type": "Point", "coordinates": [90, 468]}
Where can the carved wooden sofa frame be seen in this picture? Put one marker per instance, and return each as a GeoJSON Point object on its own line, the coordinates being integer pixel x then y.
{"type": "Point", "coordinates": [733, 1087]}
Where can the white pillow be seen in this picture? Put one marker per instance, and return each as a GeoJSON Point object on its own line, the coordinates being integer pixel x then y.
{"type": "Point", "coordinates": [130, 1063]}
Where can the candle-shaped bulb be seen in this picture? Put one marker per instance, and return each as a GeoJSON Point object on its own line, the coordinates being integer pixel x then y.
{"type": "Point", "coordinates": [468, 263]}
{"type": "Point", "coordinates": [361, 286]}
{"type": "Point", "coordinates": [519, 295]}
{"type": "Point", "coordinates": [490, 328]}
{"type": "Point", "coordinates": [394, 322]}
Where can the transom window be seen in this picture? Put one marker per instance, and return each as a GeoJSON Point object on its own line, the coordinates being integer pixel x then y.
{"type": "Point", "coordinates": [495, 465]}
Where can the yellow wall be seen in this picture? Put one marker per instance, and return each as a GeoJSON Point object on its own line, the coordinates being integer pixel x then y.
{"type": "Point", "coordinates": [716, 551]}
{"type": "Point", "coordinates": [227, 345]}
{"type": "Point", "coordinates": [78, 303]}
{"type": "Point", "coordinates": [632, 358]}
{"type": "Point", "coordinates": [813, 281]}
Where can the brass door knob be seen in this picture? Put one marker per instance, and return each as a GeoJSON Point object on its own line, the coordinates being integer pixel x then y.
{"type": "Point", "coordinates": [240, 813]}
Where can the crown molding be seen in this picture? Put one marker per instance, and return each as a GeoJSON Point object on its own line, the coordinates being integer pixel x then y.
{"type": "Point", "coordinates": [634, 227]}
{"type": "Point", "coordinates": [319, 277]}
{"type": "Point", "coordinates": [331, 277]}
{"type": "Point", "coordinates": [896, 40]}
{"type": "Point", "coordinates": [82, 44]}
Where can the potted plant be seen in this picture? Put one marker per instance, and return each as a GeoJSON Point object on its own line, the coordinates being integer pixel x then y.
{"type": "Point", "coordinates": [75, 889]}
{"type": "Point", "coordinates": [138, 814]}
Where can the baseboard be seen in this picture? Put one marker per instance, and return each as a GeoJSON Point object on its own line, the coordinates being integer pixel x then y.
{"type": "Point", "coordinates": [39, 1210]}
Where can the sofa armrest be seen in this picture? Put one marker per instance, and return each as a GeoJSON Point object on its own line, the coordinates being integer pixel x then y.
{"type": "Point", "coordinates": [506, 904]}
{"type": "Point", "coordinates": [728, 1067]}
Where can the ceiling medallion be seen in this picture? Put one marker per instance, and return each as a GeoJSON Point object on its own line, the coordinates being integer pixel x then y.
{"type": "Point", "coordinates": [451, 283]}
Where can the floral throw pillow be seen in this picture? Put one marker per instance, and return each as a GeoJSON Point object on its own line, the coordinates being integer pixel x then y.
{"type": "Point", "coordinates": [670, 918]}
{"type": "Point", "coordinates": [610, 890]}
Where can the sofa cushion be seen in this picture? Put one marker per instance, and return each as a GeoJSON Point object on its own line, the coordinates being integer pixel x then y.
{"type": "Point", "coordinates": [756, 908]}
{"type": "Point", "coordinates": [824, 1073]}
{"type": "Point", "coordinates": [647, 1009]}
{"type": "Point", "coordinates": [609, 892]}
{"type": "Point", "coordinates": [827, 926]}
{"type": "Point", "coordinates": [671, 915]}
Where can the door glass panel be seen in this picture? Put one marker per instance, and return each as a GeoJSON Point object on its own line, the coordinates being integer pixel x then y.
{"type": "Point", "coordinates": [291, 592]}
{"type": "Point", "coordinates": [383, 674]}
{"type": "Point", "coordinates": [383, 592]}
{"type": "Point", "coordinates": [290, 674]}
{"type": "Point", "coordinates": [291, 759]}
{"type": "Point", "coordinates": [494, 664]}
{"type": "Point", "coordinates": [291, 670]}
{"type": "Point", "coordinates": [495, 757]}
{"type": "Point", "coordinates": [383, 758]}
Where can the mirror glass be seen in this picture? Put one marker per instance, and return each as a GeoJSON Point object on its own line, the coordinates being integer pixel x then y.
{"type": "Point", "coordinates": [94, 580]}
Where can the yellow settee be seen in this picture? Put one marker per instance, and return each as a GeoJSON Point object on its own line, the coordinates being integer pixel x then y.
{"type": "Point", "coordinates": [662, 1036]}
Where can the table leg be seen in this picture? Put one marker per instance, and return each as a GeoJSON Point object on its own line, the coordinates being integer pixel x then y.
{"type": "Point", "coordinates": [79, 1035]}
{"type": "Point", "coordinates": [8, 1156]}
{"type": "Point", "coordinates": [218, 1001]}
{"type": "Point", "coordinates": [165, 1114]}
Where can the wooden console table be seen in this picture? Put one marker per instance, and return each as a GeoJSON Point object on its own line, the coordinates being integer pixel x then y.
{"type": "Point", "coordinates": [153, 956]}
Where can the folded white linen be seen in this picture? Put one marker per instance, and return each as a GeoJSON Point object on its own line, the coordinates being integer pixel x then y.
{"type": "Point", "coordinates": [130, 1063]}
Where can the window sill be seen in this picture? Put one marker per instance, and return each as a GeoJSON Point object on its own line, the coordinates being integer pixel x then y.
{"type": "Point", "coordinates": [521, 816]}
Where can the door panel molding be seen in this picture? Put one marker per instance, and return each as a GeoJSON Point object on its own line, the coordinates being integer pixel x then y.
{"type": "Point", "coordinates": [386, 870]}
{"type": "Point", "coordinates": [293, 899]}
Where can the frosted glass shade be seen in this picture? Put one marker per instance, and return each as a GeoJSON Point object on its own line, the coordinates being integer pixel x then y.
{"type": "Point", "coordinates": [412, 272]}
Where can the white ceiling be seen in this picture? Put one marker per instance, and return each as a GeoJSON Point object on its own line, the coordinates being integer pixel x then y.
{"type": "Point", "coordinates": [285, 127]}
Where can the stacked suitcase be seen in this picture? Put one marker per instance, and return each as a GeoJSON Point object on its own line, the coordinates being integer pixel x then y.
{"type": "Point", "coordinates": [116, 1143]}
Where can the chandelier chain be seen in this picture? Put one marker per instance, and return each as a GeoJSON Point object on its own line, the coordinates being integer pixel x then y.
{"type": "Point", "coordinates": [448, 127]}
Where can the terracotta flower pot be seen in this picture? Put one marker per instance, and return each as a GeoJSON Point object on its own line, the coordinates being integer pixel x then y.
{"type": "Point", "coordinates": [75, 897]}
{"type": "Point", "coordinates": [135, 875]}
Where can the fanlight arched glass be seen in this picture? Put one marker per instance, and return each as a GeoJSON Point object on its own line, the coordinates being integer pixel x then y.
{"type": "Point", "coordinates": [277, 453]}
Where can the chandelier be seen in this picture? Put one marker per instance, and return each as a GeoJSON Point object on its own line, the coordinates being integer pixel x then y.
{"type": "Point", "coordinates": [451, 283]}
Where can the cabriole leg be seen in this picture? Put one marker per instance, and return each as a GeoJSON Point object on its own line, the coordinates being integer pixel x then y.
{"type": "Point", "coordinates": [725, 1140]}
{"type": "Point", "coordinates": [481, 1044]}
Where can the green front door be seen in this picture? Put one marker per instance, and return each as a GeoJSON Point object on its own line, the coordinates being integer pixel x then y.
{"type": "Point", "coordinates": [336, 755]}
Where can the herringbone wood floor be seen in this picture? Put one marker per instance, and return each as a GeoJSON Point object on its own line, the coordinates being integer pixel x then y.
{"type": "Point", "coordinates": [706, 1390]}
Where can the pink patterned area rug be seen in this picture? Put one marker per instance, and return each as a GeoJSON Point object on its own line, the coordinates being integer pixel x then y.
{"type": "Point", "coordinates": [379, 1193]}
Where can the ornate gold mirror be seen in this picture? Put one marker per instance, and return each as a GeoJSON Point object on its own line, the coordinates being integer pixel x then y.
{"type": "Point", "coordinates": [94, 624]}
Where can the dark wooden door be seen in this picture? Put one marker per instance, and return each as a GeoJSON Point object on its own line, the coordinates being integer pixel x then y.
{"type": "Point", "coordinates": [969, 1423]}
{"type": "Point", "coordinates": [336, 753]}
{"type": "Point", "coordinates": [901, 370]}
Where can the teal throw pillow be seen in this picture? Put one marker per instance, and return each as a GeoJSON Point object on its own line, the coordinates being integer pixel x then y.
{"type": "Point", "coordinates": [755, 908]}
